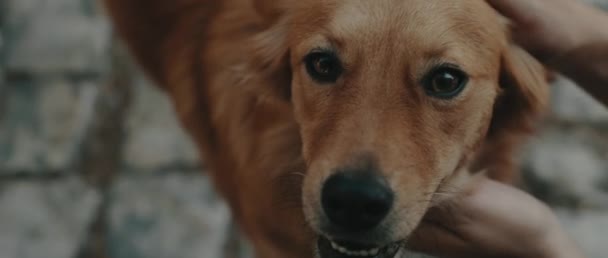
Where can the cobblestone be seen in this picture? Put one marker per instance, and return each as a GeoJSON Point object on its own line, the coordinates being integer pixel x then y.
{"type": "Point", "coordinates": [173, 215]}
{"type": "Point", "coordinates": [571, 103]}
{"type": "Point", "coordinates": [55, 36]}
{"type": "Point", "coordinates": [45, 219]}
{"type": "Point", "coordinates": [588, 229]}
{"type": "Point", "coordinates": [566, 166]}
{"type": "Point", "coordinates": [154, 137]}
{"type": "Point", "coordinates": [43, 124]}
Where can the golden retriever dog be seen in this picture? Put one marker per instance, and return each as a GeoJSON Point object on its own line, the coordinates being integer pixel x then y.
{"type": "Point", "coordinates": [332, 126]}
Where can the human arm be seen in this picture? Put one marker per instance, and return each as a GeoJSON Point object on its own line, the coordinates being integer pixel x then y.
{"type": "Point", "coordinates": [567, 35]}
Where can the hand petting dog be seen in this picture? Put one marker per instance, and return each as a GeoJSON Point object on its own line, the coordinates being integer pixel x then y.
{"type": "Point", "coordinates": [496, 220]}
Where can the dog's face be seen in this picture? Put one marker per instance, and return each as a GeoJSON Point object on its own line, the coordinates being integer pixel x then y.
{"type": "Point", "coordinates": [393, 99]}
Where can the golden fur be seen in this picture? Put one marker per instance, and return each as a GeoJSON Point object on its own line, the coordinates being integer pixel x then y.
{"type": "Point", "coordinates": [270, 136]}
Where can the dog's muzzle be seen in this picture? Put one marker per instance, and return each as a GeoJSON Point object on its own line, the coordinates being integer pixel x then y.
{"type": "Point", "coordinates": [355, 205]}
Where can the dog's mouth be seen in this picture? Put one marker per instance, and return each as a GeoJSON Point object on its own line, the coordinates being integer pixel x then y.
{"type": "Point", "coordinates": [333, 249]}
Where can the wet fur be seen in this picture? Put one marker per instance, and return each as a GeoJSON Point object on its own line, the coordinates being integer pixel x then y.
{"type": "Point", "coordinates": [226, 65]}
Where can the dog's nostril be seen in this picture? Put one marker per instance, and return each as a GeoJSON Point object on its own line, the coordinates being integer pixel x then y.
{"type": "Point", "coordinates": [356, 201]}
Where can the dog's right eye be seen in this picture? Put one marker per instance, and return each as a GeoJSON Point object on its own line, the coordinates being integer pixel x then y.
{"type": "Point", "coordinates": [323, 67]}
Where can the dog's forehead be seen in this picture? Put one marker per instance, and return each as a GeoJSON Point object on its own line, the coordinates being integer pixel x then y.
{"type": "Point", "coordinates": [411, 20]}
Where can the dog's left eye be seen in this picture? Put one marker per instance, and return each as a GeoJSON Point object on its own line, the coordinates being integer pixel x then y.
{"type": "Point", "coordinates": [323, 67]}
{"type": "Point", "coordinates": [445, 82]}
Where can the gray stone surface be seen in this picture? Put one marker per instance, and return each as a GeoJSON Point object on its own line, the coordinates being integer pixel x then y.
{"type": "Point", "coordinates": [47, 36]}
{"type": "Point", "coordinates": [568, 166]}
{"type": "Point", "coordinates": [43, 124]}
{"type": "Point", "coordinates": [588, 229]}
{"type": "Point", "coordinates": [570, 102]}
{"type": "Point", "coordinates": [45, 219]}
{"type": "Point", "coordinates": [154, 136]}
{"type": "Point", "coordinates": [173, 215]}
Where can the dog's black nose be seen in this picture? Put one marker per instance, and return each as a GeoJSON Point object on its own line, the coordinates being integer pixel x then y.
{"type": "Point", "coordinates": [356, 201]}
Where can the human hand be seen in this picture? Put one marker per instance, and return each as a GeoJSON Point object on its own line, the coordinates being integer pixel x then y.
{"type": "Point", "coordinates": [493, 220]}
{"type": "Point", "coordinates": [551, 28]}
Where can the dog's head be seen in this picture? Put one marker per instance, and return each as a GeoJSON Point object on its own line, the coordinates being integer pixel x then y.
{"type": "Point", "coordinates": [394, 99]}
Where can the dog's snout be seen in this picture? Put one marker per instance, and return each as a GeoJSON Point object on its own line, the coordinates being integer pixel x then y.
{"type": "Point", "coordinates": [356, 201]}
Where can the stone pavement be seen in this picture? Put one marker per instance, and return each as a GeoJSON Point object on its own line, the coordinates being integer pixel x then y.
{"type": "Point", "coordinates": [94, 165]}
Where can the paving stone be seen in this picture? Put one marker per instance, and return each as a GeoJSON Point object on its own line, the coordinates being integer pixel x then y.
{"type": "Point", "coordinates": [154, 136]}
{"type": "Point", "coordinates": [3, 87]}
{"type": "Point", "coordinates": [568, 166]}
{"type": "Point", "coordinates": [45, 219]}
{"type": "Point", "coordinates": [3, 90]}
{"type": "Point", "coordinates": [174, 215]}
{"type": "Point", "coordinates": [43, 124]}
{"type": "Point", "coordinates": [588, 229]}
{"type": "Point", "coordinates": [571, 103]}
{"type": "Point", "coordinates": [45, 36]}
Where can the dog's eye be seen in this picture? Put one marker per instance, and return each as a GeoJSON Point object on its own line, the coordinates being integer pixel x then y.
{"type": "Point", "coordinates": [323, 67]}
{"type": "Point", "coordinates": [445, 82]}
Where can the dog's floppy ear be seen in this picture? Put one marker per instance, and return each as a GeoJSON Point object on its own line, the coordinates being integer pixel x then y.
{"type": "Point", "coordinates": [518, 109]}
{"type": "Point", "coordinates": [524, 95]}
{"type": "Point", "coordinates": [270, 50]}
{"type": "Point", "coordinates": [154, 30]}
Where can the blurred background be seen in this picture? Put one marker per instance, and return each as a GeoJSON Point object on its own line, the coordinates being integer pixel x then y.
{"type": "Point", "coordinates": [93, 163]}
